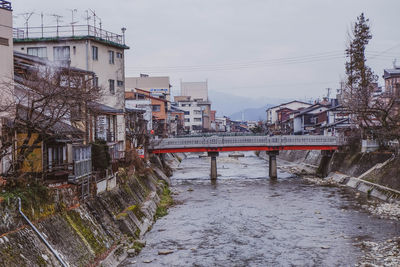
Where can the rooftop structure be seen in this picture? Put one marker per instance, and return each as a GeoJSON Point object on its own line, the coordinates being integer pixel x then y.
{"type": "Point", "coordinates": [68, 32]}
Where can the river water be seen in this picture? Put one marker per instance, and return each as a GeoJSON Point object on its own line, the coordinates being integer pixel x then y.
{"type": "Point", "coordinates": [245, 219]}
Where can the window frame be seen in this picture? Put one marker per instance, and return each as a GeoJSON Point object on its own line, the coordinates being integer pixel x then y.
{"type": "Point", "coordinates": [95, 52]}
{"type": "Point", "coordinates": [111, 57]}
{"type": "Point", "coordinates": [111, 84]}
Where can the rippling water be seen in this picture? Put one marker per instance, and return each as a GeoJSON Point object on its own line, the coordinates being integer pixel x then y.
{"type": "Point", "coordinates": [244, 219]}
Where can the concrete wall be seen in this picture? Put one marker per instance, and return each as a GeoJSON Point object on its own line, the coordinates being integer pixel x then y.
{"type": "Point", "coordinates": [6, 66]}
{"type": "Point", "coordinates": [83, 233]}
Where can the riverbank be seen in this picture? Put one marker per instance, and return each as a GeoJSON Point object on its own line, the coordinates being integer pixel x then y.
{"type": "Point", "coordinates": [101, 230]}
{"type": "Point", "coordinates": [364, 176]}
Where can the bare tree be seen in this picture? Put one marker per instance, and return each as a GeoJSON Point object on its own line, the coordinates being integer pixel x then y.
{"type": "Point", "coordinates": [377, 114]}
{"type": "Point", "coordinates": [43, 102]}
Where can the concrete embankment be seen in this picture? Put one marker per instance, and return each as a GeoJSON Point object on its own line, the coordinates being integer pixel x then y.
{"type": "Point", "coordinates": [97, 231]}
{"type": "Point", "coordinates": [376, 174]}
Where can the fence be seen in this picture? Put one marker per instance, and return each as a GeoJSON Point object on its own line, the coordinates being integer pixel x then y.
{"type": "Point", "coordinates": [67, 31]}
{"type": "Point", "coordinates": [237, 141]}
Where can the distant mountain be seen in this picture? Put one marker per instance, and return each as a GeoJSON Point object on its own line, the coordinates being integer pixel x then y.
{"type": "Point", "coordinates": [231, 105]}
{"type": "Point", "coordinates": [251, 114]}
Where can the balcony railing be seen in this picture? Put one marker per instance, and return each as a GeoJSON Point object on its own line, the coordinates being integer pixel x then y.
{"type": "Point", "coordinates": [67, 31]}
{"type": "Point", "coordinates": [82, 164]}
{"type": "Point", "coordinates": [5, 5]}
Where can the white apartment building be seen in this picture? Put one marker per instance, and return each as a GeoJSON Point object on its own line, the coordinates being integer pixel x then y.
{"type": "Point", "coordinates": [6, 65]}
{"type": "Point", "coordinates": [89, 48]}
{"type": "Point", "coordinates": [198, 91]}
{"type": "Point", "coordinates": [193, 118]}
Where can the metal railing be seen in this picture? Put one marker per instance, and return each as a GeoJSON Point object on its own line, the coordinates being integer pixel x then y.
{"type": "Point", "coordinates": [5, 5]}
{"type": "Point", "coordinates": [67, 31]}
{"type": "Point", "coordinates": [237, 141]}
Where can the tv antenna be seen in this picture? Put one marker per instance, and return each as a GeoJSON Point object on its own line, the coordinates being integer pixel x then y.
{"type": "Point", "coordinates": [58, 20]}
{"type": "Point", "coordinates": [73, 11]}
{"type": "Point", "coordinates": [328, 92]}
{"type": "Point", "coordinates": [27, 16]}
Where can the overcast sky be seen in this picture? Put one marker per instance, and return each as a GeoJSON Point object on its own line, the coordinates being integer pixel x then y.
{"type": "Point", "coordinates": [253, 48]}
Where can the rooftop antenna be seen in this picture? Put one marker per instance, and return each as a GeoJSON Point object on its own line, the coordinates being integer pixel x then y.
{"type": "Point", "coordinates": [123, 33]}
{"type": "Point", "coordinates": [87, 18]}
{"type": "Point", "coordinates": [27, 16]}
{"type": "Point", "coordinates": [394, 64]}
{"type": "Point", "coordinates": [94, 19]}
{"type": "Point", "coordinates": [41, 22]}
{"type": "Point", "coordinates": [328, 92]}
{"type": "Point", "coordinates": [73, 11]}
{"type": "Point", "coordinates": [58, 20]}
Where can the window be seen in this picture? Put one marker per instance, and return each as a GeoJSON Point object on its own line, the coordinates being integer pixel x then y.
{"type": "Point", "coordinates": [95, 53]}
{"type": "Point", "coordinates": [187, 120]}
{"type": "Point", "coordinates": [61, 53]}
{"type": "Point", "coordinates": [119, 55]}
{"type": "Point", "coordinates": [197, 119]}
{"type": "Point", "coordinates": [38, 51]}
{"type": "Point", "coordinates": [4, 41]}
{"type": "Point", "coordinates": [186, 112]}
{"type": "Point", "coordinates": [156, 108]}
{"type": "Point", "coordinates": [111, 57]}
{"type": "Point", "coordinates": [197, 112]}
{"type": "Point", "coordinates": [112, 86]}
{"type": "Point", "coordinates": [95, 81]}
{"type": "Point", "coordinates": [120, 83]}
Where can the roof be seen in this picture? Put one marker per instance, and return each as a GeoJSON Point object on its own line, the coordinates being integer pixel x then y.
{"type": "Point", "coordinates": [101, 108]}
{"type": "Point", "coordinates": [388, 73]}
{"type": "Point", "coordinates": [289, 103]}
{"type": "Point", "coordinates": [58, 128]}
{"type": "Point", "coordinates": [313, 107]}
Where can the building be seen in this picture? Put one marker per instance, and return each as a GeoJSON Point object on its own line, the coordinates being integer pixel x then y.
{"type": "Point", "coordinates": [198, 92]}
{"type": "Point", "coordinates": [159, 114]}
{"type": "Point", "coordinates": [392, 80]}
{"type": "Point", "coordinates": [193, 114]}
{"type": "Point", "coordinates": [6, 71]}
{"type": "Point", "coordinates": [278, 116]}
{"type": "Point", "coordinates": [89, 48]}
{"type": "Point", "coordinates": [157, 86]}
{"type": "Point", "coordinates": [306, 120]}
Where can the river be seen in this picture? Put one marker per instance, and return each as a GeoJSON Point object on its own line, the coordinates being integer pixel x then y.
{"type": "Point", "coordinates": [245, 219]}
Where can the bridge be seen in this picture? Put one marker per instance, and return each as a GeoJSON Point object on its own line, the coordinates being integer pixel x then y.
{"type": "Point", "coordinates": [272, 144]}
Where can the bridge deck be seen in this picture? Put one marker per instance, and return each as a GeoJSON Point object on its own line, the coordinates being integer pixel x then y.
{"type": "Point", "coordinates": [244, 143]}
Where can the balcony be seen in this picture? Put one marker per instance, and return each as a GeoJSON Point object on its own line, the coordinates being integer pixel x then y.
{"type": "Point", "coordinates": [82, 164]}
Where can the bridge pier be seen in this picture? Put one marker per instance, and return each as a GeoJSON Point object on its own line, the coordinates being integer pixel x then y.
{"type": "Point", "coordinates": [273, 173]}
{"type": "Point", "coordinates": [213, 173]}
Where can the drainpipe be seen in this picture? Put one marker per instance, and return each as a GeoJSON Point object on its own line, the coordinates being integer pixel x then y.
{"type": "Point", "coordinates": [40, 235]}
